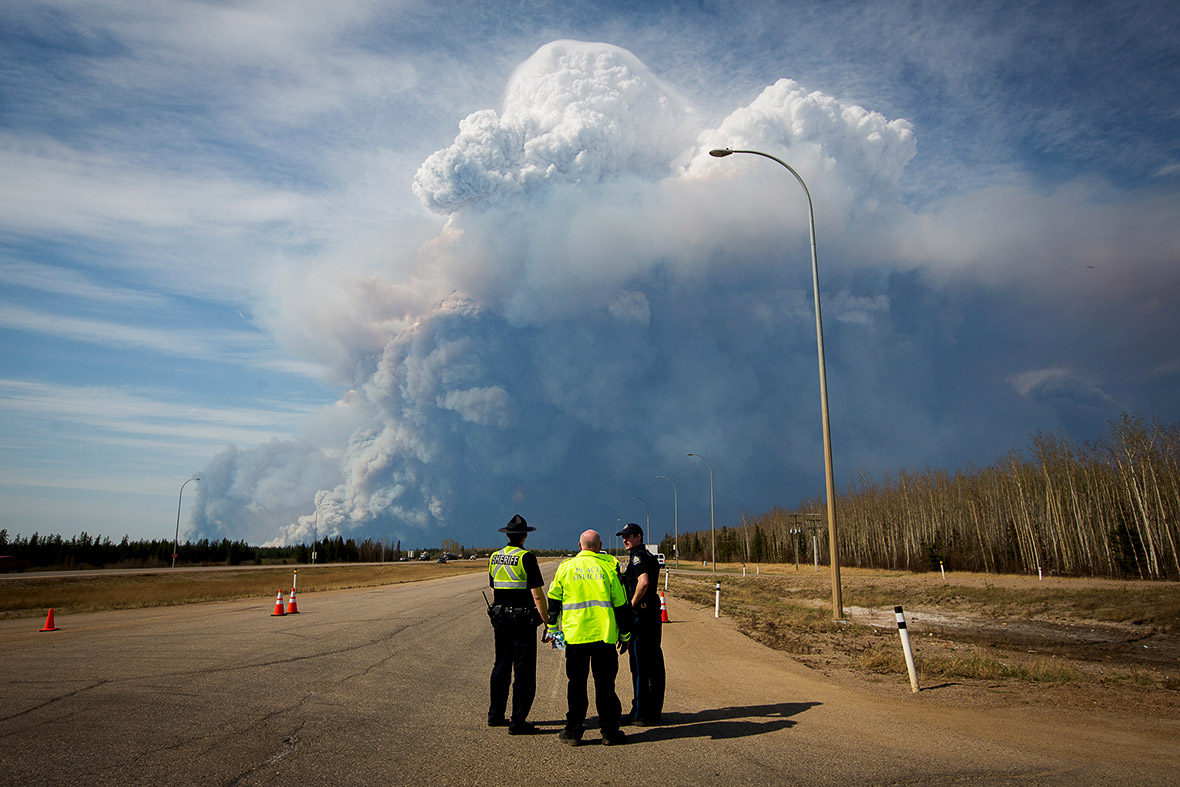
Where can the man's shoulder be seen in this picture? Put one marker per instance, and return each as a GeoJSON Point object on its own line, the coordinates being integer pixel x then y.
{"type": "Point", "coordinates": [642, 558]}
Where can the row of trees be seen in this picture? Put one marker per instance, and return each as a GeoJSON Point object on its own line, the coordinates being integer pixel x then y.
{"type": "Point", "coordinates": [85, 551]}
{"type": "Point", "coordinates": [1110, 508]}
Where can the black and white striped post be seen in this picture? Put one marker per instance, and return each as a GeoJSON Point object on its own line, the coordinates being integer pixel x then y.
{"type": "Point", "coordinates": [717, 607]}
{"type": "Point", "coordinates": [905, 646]}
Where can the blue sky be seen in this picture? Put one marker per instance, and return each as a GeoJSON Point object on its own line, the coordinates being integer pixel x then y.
{"type": "Point", "coordinates": [426, 265]}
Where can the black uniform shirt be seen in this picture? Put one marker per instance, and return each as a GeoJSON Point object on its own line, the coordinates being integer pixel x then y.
{"type": "Point", "coordinates": [642, 562]}
{"type": "Point", "coordinates": [520, 598]}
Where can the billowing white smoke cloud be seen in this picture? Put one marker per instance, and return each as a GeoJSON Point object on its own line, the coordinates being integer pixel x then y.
{"type": "Point", "coordinates": [604, 298]}
{"type": "Point", "coordinates": [574, 113]}
{"type": "Point", "coordinates": [849, 147]}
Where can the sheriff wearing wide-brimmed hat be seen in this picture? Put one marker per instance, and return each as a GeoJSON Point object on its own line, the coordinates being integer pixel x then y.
{"type": "Point", "coordinates": [518, 608]}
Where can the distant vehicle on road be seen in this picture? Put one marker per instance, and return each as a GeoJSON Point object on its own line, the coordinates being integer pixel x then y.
{"type": "Point", "coordinates": [442, 559]}
{"type": "Point", "coordinates": [10, 563]}
{"type": "Point", "coordinates": [424, 556]}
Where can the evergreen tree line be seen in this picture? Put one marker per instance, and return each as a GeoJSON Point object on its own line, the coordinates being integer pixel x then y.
{"type": "Point", "coordinates": [84, 551]}
{"type": "Point", "coordinates": [1109, 508]}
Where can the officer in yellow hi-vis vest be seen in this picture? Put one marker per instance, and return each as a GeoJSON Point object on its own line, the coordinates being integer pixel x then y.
{"type": "Point", "coordinates": [518, 607]}
{"type": "Point", "coordinates": [588, 599]}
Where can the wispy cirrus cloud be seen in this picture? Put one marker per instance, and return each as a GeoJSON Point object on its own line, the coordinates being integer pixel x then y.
{"type": "Point", "coordinates": [199, 344]}
{"type": "Point", "coordinates": [74, 285]}
{"type": "Point", "coordinates": [121, 416]}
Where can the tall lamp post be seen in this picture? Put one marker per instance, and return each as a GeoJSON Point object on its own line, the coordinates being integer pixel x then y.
{"type": "Point", "coordinates": [833, 546]}
{"type": "Point", "coordinates": [675, 521]}
{"type": "Point", "coordinates": [315, 530]}
{"type": "Point", "coordinates": [647, 508]}
{"type": "Point", "coordinates": [712, 530]}
{"type": "Point", "coordinates": [176, 540]}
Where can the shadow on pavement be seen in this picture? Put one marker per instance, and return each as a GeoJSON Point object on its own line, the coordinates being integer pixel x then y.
{"type": "Point", "coordinates": [715, 723]}
{"type": "Point", "coordinates": [722, 723]}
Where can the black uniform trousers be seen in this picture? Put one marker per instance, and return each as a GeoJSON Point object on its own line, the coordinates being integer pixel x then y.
{"type": "Point", "coordinates": [516, 652]}
{"type": "Point", "coordinates": [581, 660]}
{"type": "Point", "coordinates": [647, 669]}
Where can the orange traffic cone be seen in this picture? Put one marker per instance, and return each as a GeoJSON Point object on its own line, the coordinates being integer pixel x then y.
{"type": "Point", "coordinates": [49, 622]}
{"type": "Point", "coordinates": [278, 606]}
{"type": "Point", "coordinates": [663, 609]}
{"type": "Point", "coordinates": [292, 609]}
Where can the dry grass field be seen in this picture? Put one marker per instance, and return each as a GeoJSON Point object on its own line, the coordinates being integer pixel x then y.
{"type": "Point", "coordinates": [1059, 639]}
{"type": "Point", "coordinates": [27, 595]}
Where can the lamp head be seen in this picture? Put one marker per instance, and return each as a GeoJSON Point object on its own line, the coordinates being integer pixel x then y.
{"type": "Point", "coordinates": [720, 152]}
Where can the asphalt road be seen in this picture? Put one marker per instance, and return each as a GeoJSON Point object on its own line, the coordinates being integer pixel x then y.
{"type": "Point", "coordinates": [389, 686]}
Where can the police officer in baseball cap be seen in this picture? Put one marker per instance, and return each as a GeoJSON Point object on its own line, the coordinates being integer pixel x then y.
{"type": "Point", "coordinates": [642, 581]}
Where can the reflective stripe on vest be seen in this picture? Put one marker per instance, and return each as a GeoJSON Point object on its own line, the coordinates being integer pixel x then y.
{"type": "Point", "coordinates": [588, 604]}
{"type": "Point", "coordinates": [507, 569]}
{"type": "Point", "coordinates": [588, 588]}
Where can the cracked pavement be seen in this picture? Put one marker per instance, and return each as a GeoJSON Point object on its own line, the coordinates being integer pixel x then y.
{"type": "Point", "coordinates": [389, 685]}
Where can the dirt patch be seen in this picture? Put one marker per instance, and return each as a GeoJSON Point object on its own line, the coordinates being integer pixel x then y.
{"type": "Point", "coordinates": [1073, 642]}
{"type": "Point", "coordinates": [1125, 645]}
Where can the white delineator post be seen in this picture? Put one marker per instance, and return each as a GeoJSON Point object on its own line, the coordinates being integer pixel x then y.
{"type": "Point", "coordinates": [717, 605]}
{"type": "Point", "coordinates": [905, 646]}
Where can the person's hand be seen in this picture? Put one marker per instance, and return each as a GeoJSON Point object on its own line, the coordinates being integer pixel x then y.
{"type": "Point", "coordinates": [623, 647]}
{"type": "Point", "coordinates": [545, 636]}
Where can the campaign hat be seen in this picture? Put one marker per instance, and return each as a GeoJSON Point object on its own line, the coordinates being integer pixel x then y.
{"type": "Point", "coordinates": [516, 526]}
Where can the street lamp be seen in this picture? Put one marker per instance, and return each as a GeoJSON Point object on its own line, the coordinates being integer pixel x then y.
{"type": "Point", "coordinates": [712, 531]}
{"type": "Point", "coordinates": [176, 541]}
{"type": "Point", "coordinates": [833, 547]}
{"type": "Point", "coordinates": [675, 521]}
{"type": "Point", "coordinates": [316, 529]}
{"type": "Point", "coordinates": [648, 509]}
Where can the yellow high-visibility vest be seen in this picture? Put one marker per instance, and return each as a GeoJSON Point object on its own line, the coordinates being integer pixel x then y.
{"type": "Point", "coordinates": [507, 569]}
{"type": "Point", "coordinates": [588, 587]}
